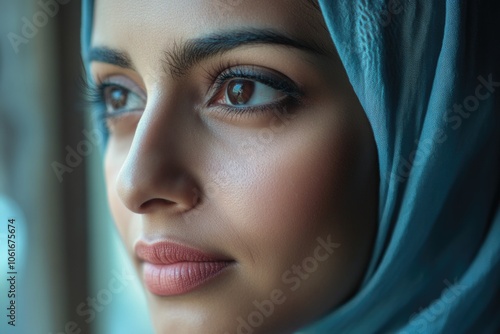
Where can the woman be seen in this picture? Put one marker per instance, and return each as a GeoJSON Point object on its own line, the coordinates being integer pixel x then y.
{"type": "Point", "coordinates": [289, 166]}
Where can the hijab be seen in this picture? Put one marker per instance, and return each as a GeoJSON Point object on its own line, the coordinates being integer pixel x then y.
{"type": "Point", "coordinates": [427, 75]}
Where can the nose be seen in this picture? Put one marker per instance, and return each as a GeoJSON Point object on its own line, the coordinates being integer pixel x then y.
{"type": "Point", "coordinates": [156, 171]}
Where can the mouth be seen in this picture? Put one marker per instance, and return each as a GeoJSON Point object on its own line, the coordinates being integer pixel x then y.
{"type": "Point", "coordinates": [171, 269]}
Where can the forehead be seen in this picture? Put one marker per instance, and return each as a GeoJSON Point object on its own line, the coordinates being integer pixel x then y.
{"type": "Point", "coordinates": [146, 28]}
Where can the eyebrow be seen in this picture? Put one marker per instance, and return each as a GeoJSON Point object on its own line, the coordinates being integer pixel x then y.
{"type": "Point", "coordinates": [183, 56]}
{"type": "Point", "coordinates": [114, 57]}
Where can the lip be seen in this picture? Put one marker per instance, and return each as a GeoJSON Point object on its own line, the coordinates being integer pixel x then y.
{"type": "Point", "coordinates": [171, 269]}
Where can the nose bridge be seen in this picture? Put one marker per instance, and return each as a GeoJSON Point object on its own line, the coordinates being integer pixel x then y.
{"type": "Point", "coordinates": [156, 171]}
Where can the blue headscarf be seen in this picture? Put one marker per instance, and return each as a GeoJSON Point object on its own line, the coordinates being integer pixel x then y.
{"type": "Point", "coordinates": [427, 75]}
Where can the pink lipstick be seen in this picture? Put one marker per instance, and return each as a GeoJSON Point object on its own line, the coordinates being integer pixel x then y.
{"type": "Point", "coordinates": [171, 269]}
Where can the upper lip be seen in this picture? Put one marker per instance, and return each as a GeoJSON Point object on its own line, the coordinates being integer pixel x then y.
{"type": "Point", "coordinates": [166, 252]}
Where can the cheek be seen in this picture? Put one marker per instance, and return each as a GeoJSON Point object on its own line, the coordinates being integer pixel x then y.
{"type": "Point", "coordinates": [309, 182]}
{"type": "Point", "coordinates": [302, 181]}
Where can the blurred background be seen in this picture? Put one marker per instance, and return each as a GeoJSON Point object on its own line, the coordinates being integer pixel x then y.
{"type": "Point", "coordinates": [72, 276]}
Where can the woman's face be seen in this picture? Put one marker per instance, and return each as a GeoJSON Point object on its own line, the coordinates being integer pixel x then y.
{"type": "Point", "coordinates": [241, 169]}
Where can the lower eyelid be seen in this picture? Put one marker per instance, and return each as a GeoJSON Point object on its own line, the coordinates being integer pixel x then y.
{"type": "Point", "coordinates": [285, 103]}
{"type": "Point", "coordinates": [127, 118]}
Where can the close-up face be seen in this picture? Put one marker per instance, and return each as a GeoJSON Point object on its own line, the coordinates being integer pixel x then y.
{"type": "Point", "coordinates": [241, 170]}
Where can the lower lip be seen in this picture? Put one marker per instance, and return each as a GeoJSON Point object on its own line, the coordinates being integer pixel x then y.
{"type": "Point", "coordinates": [180, 278]}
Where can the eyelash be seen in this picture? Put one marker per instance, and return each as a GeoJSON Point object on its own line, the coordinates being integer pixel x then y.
{"type": "Point", "coordinates": [93, 96]}
{"type": "Point", "coordinates": [218, 76]}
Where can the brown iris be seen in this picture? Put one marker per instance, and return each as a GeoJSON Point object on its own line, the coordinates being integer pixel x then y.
{"type": "Point", "coordinates": [240, 91]}
{"type": "Point", "coordinates": [117, 97]}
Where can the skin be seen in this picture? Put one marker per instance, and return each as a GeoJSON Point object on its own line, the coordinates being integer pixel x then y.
{"type": "Point", "coordinates": [177, 170]}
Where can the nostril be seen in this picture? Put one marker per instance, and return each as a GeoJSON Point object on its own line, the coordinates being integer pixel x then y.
{"type": "Point", "coordinates": [196, 196]}
{"type": "Point", "coordinates": [181, 205]}
{"type": "Point", "coordinates": [148, 205]}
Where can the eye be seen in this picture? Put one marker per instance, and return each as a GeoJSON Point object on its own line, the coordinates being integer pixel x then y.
{"type": "Point", "coordinates": [245, 92]}
{"type": "Point", "coordinates": [118, 99]}
{"type": "Point", "coordinates": [251, 90]}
